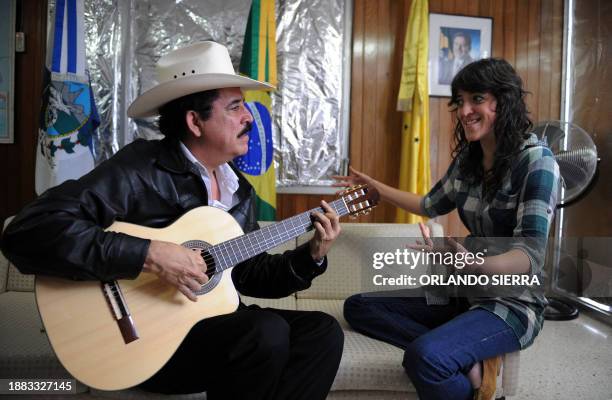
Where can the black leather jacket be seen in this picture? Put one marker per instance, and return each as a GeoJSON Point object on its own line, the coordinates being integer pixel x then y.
{"type": "Point", "coordinates": [148, 183]}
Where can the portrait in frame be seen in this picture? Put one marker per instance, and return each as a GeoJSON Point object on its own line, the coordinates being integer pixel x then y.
{"type": "Point", "coordinates": [454, 42]}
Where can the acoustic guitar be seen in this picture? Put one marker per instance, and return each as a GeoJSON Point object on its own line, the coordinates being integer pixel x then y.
{"type": "Point", "coordinates": [115, 335]}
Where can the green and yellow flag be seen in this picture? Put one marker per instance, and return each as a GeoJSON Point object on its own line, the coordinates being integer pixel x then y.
{"type": "Point", "coordinates": [259, 62]}
{"type": "Point", "coordinates": [413, 99]}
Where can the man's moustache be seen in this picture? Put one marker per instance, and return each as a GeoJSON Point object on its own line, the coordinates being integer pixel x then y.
{"type": "Point", "coordinates": [246, 129]}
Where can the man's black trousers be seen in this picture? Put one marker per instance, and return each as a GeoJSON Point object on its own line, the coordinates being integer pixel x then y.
{"type": "Point", "coordinates": [256, 353]}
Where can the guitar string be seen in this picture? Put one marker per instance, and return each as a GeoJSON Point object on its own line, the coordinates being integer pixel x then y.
{"type": "Point", "coordinates": [288, 234]}
{"type": "Point", "coordinates": [273, 230]}
{"type": "Point", "coordinates": [234, 244]}
{"type": "Point", "coordinates": [258, 247]}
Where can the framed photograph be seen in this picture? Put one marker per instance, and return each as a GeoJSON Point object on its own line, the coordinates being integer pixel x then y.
{"type": "Point", "coordinates": [454, 42]}
{"type": "Point", "coordinates": [7, 60]}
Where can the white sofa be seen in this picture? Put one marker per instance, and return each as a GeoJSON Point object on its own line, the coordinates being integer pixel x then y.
{"type": "Point", "coordinates": [370, 369]}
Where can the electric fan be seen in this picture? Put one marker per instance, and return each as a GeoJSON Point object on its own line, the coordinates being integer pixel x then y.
{"type": "Point", "coordinates": [576, 155]}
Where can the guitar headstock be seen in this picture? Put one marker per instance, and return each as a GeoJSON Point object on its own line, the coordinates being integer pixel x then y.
{"type": "Point", "coordinates": [360, 200]}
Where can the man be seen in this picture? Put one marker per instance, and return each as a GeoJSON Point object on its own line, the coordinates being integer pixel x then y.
{"type": "Point", "coordinates": [450, 65]}
{"type": "Point", "coordinates": [252, 353]}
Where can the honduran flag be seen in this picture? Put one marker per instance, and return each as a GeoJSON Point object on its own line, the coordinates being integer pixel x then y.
{"type": "Point", "coordinates": [69, 115]}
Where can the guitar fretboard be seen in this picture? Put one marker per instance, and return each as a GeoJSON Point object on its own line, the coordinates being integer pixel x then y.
{"type": "Point", "coordinates": [232, 252]}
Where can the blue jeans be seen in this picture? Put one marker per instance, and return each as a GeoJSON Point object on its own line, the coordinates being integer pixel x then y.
{"type": "Point", "coordinates": [440, 343]}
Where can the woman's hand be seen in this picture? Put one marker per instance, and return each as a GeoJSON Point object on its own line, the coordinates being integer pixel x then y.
{"type": "Point", "coordinates": [428, 244]}
{"type": "Point", "coordinates": [448, 245]}
{"type": "Point", "coordinates": [354, 178]}
{"type": "Point", "coordinates": [405, 200]}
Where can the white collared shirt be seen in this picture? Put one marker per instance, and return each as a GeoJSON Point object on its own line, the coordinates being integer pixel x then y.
{"type": "Point", "coordinates": [226, 178]}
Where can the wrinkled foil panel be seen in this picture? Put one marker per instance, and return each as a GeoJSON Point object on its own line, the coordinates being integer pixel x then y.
{"type": "Point", "coordinates": [103, 37]}
{"type": "Point", "coordinates": [308, 102]}
{"type": "Point", "coordinates": [125, 38]}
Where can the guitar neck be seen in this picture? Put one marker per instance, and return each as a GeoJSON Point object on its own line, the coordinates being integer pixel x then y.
{"type": "Point", "coordinates": [232, 252]}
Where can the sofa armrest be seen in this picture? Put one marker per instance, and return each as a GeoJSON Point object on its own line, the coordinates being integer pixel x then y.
{"type": "Point", "coordinates": [510, 374]}
{"type": "Point", "coordinates": [10, 278]}
{"type": "Point", "coordinates": [4, 263]}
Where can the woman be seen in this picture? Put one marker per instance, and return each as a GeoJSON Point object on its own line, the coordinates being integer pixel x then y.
{"type": "Point", "coordinates": [503, 182]}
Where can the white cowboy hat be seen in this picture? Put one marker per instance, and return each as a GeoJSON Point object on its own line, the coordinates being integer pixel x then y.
{"type": "Point", "coordinates": [195, 68]}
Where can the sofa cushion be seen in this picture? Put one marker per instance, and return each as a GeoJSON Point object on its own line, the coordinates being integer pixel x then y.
{"type": "Point", "coordinates": [139, 394]}
{"type": "Point", "coordinates": [19, 282]}
{"type": "Point", "coordinates": [370, 395]}
{"type": "Point", "coordinates": [367, 364]}
{"type": "Point", "coordinates": [25, 351]}
{"type": "Point", "coordinates": [349, 257]}
{"type": "Point", "coordinates": [4, 263]}
{"type": "Point", "coordinates": [286, 303]}
{"type": "Point", "coordinates": [10, 277]}
{"type": "Point", "coordinates": [331, 307]}
{"type": "Point", "coordinates": [4, 267]}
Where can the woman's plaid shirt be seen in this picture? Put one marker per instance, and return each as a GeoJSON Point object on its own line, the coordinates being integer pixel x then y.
{"type": "Point", "coordinates": [523, 209]}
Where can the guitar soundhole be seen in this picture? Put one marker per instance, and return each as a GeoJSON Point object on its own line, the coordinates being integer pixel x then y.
{"type": "Point", "coordinates": [211, 267]}
{"type": "Point", "coordinates": [214, 276]}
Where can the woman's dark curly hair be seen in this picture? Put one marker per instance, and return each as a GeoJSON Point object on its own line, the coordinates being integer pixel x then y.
{"type": "Point", "coordinates": [172, 122]}
{"type": "Point", "coordinates": [511, 127]}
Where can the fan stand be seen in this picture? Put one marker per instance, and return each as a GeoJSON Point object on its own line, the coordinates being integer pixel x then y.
{"type": "Point", "coordinates": [559, 310]}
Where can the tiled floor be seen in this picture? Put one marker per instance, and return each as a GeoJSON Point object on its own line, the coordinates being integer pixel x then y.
{"type": "Point", "coordinates": [569, 360]}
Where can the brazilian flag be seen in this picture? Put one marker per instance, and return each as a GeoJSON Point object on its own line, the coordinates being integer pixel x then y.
{"type": "Point", "coordinates": [259, 62]}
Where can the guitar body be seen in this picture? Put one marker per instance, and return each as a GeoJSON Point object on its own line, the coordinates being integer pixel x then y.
{"type": "Point", "coordinates": [115, 335]}
{"type": "Point", "coordinates": [84, 332]}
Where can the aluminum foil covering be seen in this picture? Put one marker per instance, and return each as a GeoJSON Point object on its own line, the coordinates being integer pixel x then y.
{"type": "Point", "coordinates": [125, 38]}
{"type": "Point", "coordinates": [308, 105]}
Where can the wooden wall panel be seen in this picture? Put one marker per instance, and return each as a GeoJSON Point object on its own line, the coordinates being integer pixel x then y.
{"type": "Point", "coordinates": [528, 33]}
{"type": "Point", "coordinates": [17, 160]}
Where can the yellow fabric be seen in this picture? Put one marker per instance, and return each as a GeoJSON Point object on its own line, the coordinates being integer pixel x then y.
{"type": "Point", "coordinates": [267, 43]}
{"type": "Point", "coordinates": [413, 99]}
{"type": "Point", "coordinates": [271, 38]}
{"type": "Point", "coordinates": [263, 41]}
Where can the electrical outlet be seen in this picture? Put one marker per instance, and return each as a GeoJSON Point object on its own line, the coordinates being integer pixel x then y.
{"type": "Point", "coordinates": [19, 42]}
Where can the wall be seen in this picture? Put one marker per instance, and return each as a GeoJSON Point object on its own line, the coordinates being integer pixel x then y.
{"type": "Point", "coordinates": [592, 110]}
{"type": "Point", "coordinates": [529, 34]}
{"type": "Point", "coordinates": [17, 160]}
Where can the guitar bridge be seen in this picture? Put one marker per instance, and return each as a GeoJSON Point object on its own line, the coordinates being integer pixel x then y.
{"type": "Point", "coordinates": [116, 301]}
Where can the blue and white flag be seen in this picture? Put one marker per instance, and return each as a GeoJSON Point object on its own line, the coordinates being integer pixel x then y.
{"type": "Point", "coordinates": [69, 116]}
